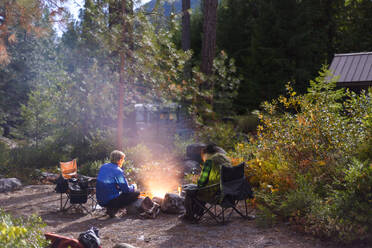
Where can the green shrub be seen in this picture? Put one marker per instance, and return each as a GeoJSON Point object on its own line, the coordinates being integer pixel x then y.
{"type": "Point", "coordinates": [248, 123]}
{"type": "Point", "coordinates": [222, 134]}
{"type": "Point", "coordinates": [34, 157]}
{"type": "Point", "coordinates": [311, 160]}
{"type": "Point", "coordinates": [265, 217]}
{"type": "Point", "coordinates": [297, 203]}
{"type": "Point", "coordinates": [18, 232]}
{"type": "Point", "coordinates": [91, 169]}
{"type": "Point", "coordinates": [131, 170]}
{"type": "Point", "coordinates": [346, 213]}
{"type": "Point", "coordinates": [4, 158]}
{"type": "Point", "coordinates": [139, 154]}
{"type": "Point", "coordinates": [180, 145]}
{"type": "Point", "coordinates": [96, 147]}
{"type": "Point", "coordinates": [25, 159]}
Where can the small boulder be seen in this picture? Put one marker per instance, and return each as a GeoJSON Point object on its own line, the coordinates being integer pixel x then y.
{"type": "Point", "coordinates": [157, 200]}
{"type": "Point", "coordinates": [173, 204]}
{"type": "Point", "coordinates": [9, 184]}
{"type": "Point", "coordinates": [47, 177]}
{"type": "Point", "coordinates": [144, 207]}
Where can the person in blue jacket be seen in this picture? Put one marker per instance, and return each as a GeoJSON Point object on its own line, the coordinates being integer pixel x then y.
{"type": "Point", "coordinates": [112, 189]}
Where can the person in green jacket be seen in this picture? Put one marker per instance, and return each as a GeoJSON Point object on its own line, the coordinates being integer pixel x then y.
{"type": "Point", "coordinates": [213, 160]}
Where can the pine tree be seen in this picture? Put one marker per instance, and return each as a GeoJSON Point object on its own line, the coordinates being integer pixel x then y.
{"type": "Point", "coordinates": [209, 35]}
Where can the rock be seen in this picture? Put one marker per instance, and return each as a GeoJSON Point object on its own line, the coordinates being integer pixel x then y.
{"type": "Point", "coordinates": [191, 166]}
{"type": "Point", "coordinates": [45, 177]}
{"type": "Point", "coordinates": [173, 204]}
{"type": "Point", "coordinates": [124, 245]}
{"type": "Point", "coordinates": [144, 207]}
{"type": "Point", "coordinates": [49, 177]}
{"type": "Point", "coordinates": [9, 184]}
{"type": "Point", "coordinates": [158, 200]}
{"type": "Point", "coordinates": [143, 238]}
{"type": "Point", "coordinates": [193, 152]}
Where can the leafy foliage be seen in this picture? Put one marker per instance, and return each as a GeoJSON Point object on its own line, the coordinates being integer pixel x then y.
{"type": "Point", "coordinates": [304, 159]}
{"type": "Point", "coordinates": [18, 232]}
{"type": "Point", "coordinates": [92, 168]}
{"type": "Point", "coordinates": [4, 156]}
{"type": "Point", "coordinates": [180, 144]}
{"type": "Point", "coordinates": [222, 134]}
{"type": "Point", "coordinates": [24, 16]}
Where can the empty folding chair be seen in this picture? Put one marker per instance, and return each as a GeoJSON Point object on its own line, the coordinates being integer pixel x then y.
{"type": "Point", "coordinates": [233, 188]}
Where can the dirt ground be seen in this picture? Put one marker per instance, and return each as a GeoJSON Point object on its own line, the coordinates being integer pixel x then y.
{"type": "Point", "coordinates": [164, 231]}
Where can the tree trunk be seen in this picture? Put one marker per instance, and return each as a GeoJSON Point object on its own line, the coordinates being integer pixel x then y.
{"type": "Point", "coordinates": [120, 116]}
{"type": "Point", "coordinates": [186, 36]}
{"type": "Point", "coordinates": [209, 35]}
{"type": "Point", "coordinates": [331, 28]}
{"type": "Point", "coordinates": [208, 50]}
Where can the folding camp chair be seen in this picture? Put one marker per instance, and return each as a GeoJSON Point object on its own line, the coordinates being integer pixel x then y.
{"type": "Point", "coordinates": [68, 169]}
{"type": "Point", "coordinates": [78, 189]}
{"type": "Point", "coordinates": [232, 189]}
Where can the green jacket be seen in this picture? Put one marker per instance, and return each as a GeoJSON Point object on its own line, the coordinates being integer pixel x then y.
{"type": "Point", "coordinates": [211, 174]}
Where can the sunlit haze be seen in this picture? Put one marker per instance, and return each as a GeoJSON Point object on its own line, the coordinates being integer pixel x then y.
{"type": "Point", "coordinates": [74, 6]}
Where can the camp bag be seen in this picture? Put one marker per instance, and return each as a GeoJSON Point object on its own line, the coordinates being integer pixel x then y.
{"type": "Point", "coordinates": [90, 238]}
{"type": "Point", "coordinates": [78, 195]}
{"type": "Point", "coordinates": [61, 185]}
{"type": "Point", "coordinates": [59, 241]}
{"type": "Point", "coordinates": [83, 182]}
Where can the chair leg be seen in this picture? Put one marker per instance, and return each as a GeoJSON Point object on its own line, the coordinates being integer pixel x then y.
{"type": "Point", "coordinates": [236, 210]}
{"type": "Point", "coordinates": [94, 203]}
{"type": "Point", "coordinates": [207, 210]}
{"type": "Point", "coordinates": [246, 208]}
{"type": "Point", "coordinates": [223, 216]}
{"type": "Point", "coordinates": [63, 208]}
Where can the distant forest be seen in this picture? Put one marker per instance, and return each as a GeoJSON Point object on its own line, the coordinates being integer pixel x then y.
{"type": "Point", "coordinates": [266, 43]}
{"type": "Point", "coordinates": [274, 42]}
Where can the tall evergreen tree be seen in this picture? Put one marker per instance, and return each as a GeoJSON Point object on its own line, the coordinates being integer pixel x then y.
{"type": "Point", "coordinates": [209, 35]}
{"type": "Point", "coordinates": [31, 56]}
{"type": "Point", "coordinates": [186, 34]}
{"type": "Point", "coordinates": [23, 16]}
{"type": "Point", "coordinates": [186, 38]}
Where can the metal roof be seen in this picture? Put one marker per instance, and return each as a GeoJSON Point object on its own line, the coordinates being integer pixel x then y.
{"type": "Point", "coordinates": [352, 69]}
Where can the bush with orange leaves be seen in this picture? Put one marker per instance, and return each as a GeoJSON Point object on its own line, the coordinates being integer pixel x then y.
{"type": "Point", "coordinates": [304, 150]}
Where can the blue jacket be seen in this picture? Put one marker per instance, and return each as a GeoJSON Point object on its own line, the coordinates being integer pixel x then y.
{"type": "Point", "coordinates": [111, 183]}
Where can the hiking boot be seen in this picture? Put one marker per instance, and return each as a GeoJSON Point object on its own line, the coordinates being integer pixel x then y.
{"type": "Point", "coordinates": [111, 212]}
{"type": "Point", "coordinates": [121, 213]}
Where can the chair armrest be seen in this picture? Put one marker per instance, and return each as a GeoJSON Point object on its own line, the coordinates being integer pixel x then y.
{"type": "Point", "coordinates": [208, 187]}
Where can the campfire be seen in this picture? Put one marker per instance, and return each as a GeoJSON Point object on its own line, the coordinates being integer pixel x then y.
{"type": "Point", "coordinates": [167, 198]}
{"type": "Point", "coordinates": [160, 181]}
{"type": "Point", "coordinates": [160, 192]}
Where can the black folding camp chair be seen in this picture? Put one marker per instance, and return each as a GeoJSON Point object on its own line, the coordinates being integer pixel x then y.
{"type": "Point", "coordinates": [78, 189]}
{"type": "Point", "coordinates": [232, 189]}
